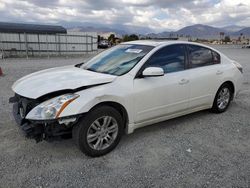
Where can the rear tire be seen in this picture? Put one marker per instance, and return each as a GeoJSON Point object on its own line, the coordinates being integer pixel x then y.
{"type": "Point", "coordinates": [222, 98]}
{"type": "Point", "coordinates": [99, 131]}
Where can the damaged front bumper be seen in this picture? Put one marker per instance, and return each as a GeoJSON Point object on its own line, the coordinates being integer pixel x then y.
{"type": "Point", "coordinates": [42, 129]}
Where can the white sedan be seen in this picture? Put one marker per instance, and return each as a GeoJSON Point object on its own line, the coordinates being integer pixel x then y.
{"type": "Point", "coordinates": [131, 85]}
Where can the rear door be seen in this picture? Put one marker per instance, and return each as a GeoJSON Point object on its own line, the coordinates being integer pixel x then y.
{"type": "Point", "coordinates": [205, 75]}
{"type": "Point", "coordinates": [155, 97]}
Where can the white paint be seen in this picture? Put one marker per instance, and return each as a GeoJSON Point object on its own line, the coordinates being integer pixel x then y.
{"type": "Point", "coordinates": [147, 100]}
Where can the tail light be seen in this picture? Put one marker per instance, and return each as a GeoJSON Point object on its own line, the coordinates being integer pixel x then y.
{"type": "Point", "coordinates": [238, 66]}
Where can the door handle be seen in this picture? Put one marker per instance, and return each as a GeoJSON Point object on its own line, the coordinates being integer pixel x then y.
{"type": "Point", "coordinates": [183, 81]}
{"type": "Point", "coordinates": [219, 72]}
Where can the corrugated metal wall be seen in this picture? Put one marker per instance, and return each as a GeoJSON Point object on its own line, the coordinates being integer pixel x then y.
{"type": "Point", "coordinates": [22, 44]}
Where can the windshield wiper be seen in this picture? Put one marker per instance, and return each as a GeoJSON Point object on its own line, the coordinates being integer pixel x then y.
{"type": "Point", "coordinates": [89, 69]}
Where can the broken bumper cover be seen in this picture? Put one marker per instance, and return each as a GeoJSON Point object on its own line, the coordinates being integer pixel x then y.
{"type": "Point", "coordinates": [29, 129]}
{"type": "Point", "coordinates": [40, 130]}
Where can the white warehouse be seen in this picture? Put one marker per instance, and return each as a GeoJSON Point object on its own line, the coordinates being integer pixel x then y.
{"type": "Point", "coordinates": [28, 40]}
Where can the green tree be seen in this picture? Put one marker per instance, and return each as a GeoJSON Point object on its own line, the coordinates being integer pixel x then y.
{"type": "Point", "coordinates": [227, 39]}
{"type": "Point", "coordinates": [134, 37]}
{"type": "Point", "coordinates": [111, 38]}
{"type": "Point", "coordinates": [130, 37]}
{"type": "Point", "coordinates": [125, 38]}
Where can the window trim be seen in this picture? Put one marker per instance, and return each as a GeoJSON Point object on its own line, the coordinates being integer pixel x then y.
{"type": "Point", "coordinates": [186, 63]}
{"type": "Point", "coordinates": [189, 59]}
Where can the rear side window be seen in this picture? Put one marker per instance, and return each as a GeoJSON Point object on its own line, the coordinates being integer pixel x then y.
{"type": "Point", "coordinates": [170, 58]}
{"type": "Point", "coordinates": [216, 57]}
{"type": "Point", "coordinates": [200, 56]}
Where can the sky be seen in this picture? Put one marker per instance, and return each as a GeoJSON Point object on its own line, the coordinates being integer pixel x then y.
{"type": "Point", "coordinates": [158, 15]}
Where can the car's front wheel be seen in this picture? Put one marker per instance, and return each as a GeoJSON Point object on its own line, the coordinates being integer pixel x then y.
{"type": "Point", "coordinates": [222, 99]}
{"type": "Point", "coordinates": [99, 131]}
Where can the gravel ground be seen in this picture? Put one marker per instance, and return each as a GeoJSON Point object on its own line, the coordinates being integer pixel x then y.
{"type": "Point", "coordinates": [197, 150]}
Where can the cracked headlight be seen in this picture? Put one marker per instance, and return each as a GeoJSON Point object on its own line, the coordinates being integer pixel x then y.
{"type": "Point", "coordinates": [52, 108]}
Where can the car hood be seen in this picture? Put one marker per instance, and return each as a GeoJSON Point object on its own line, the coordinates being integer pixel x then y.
{"type": "Point", "coordinates": [56, 79]}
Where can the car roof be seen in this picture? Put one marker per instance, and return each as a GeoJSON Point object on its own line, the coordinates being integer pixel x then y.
{"type": "Point", "coordinates": [146, 42]}
{"type": "Point", "coordinates": [156, 43]}
{"type": "Point", "coordinates": [161, 42]}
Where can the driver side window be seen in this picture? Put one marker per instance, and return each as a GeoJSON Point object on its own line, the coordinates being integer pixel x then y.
{"type": "Point", "coordinates": [170, 58]}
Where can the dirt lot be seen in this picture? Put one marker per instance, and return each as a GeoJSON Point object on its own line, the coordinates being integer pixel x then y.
{"type": "Point", "coordinates": [197, 150]}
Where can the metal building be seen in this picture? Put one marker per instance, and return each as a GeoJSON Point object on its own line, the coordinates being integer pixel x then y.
{"type": "Point", "coordinates": [18, 40]}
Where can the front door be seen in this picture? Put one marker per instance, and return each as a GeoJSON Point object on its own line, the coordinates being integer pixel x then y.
{"type": "Point", "coordinates": [155, 97]}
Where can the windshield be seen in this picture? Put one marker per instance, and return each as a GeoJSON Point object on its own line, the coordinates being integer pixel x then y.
{"type": "Point", "coordinates": [117, 60]}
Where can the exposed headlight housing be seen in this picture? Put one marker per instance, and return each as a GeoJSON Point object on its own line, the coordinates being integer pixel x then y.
{"type": "Point", "coordinates": [52, 108]}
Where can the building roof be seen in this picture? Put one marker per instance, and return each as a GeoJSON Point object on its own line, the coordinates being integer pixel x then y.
{"type": "Point", "coordinates": [6, 27]}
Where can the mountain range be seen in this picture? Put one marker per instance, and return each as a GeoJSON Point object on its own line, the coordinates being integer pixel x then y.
{"type": "Point", "coordinates": [195, 31]}
{"type": "Point", "coordinates": [119, 29]}
{"type": "Point", "coordinates": [205, 32]}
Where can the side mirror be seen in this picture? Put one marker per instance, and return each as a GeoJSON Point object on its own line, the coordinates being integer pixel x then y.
{"type": "Point", "coordinates": [79, 65]}
{"type": "Point", "coordinates": [153, 71]}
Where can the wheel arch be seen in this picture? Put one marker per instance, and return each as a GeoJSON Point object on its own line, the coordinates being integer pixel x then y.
{"type": "Point", "coordinates": [119, 107]}
{"type": "Point", "coordinates": [231, 84]}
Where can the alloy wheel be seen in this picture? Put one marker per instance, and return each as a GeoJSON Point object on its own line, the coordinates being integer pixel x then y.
{"type": "Point", "coordinates": [102, 133]}
{"type": "Point", "coordinates": [223, 98]}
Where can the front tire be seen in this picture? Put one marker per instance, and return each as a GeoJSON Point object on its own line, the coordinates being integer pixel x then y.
{"type": "Point", "coordinates": [222, 98]}
{"type": "Point", "coordinates": [99, 131]}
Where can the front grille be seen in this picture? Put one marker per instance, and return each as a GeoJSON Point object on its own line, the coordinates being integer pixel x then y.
{"type": "Point", "coordinates": [26, 105]}
{"type": "Point", "coordinates": [22, 106]}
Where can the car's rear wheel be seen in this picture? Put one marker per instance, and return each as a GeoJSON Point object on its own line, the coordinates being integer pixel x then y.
{"type": "Point", "coordinates": [222, 99]}
{"type": "Point", "coordinates": [99, 131]}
